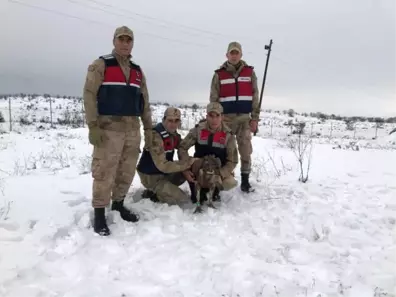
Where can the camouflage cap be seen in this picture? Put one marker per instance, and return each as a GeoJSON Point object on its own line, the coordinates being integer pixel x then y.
{"type": "Point", "coordinates": [123, 31]}
{"type": "Point", "coordinates": [214, 107]}
{"type": "Point", "coordinates": [234, 46]}
{"type": "Point", "coordinates": [172, 113]}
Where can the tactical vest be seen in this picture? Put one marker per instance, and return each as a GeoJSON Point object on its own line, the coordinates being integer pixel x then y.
{"type": "Point", "coordinates": [116, 95]}
{"type": "Point", "coordinates": [236, 93]}
{"type": "Point", "coordinates": [211, 144]}
{"type": "Point", "coordinates": [146, 164]}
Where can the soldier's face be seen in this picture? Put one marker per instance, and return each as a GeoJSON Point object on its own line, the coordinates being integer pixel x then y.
{"type": "Point", "coordinates": [214, 120]}
{"type": "Point", "coordinates": [123, 45]}
{"type": "Point", "coordinates": [234, 57]}
{"type": "Point", "coordinates": [171, 125]}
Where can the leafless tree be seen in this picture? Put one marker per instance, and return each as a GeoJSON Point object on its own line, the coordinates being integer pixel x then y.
{"type": "Point", "coordinates": [302, 146]}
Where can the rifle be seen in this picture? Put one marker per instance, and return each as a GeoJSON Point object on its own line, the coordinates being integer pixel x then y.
{"type": "Point", "coordinates": [266, 47]}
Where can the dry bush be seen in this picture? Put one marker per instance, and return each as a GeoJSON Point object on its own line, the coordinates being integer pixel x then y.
{"type": "Point", "coordinates": [73, 118]}
{"type": "Point", "coordinates": [266, 170]}
{"type": "Point", "coordinates": [55, 158]}
{"type": "Point", "coordinates": [302, 146]}
{"type": "Point", "coordinates": [85, 164]}
{"type": "Point", "coordinates": [5, 207]}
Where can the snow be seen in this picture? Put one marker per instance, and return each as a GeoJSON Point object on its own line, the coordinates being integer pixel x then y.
{"type": "Point", "coordinates": [332, 236]}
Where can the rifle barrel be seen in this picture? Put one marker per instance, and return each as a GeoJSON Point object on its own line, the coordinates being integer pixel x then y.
{"type": "Point", "coordinates": [267, 47]}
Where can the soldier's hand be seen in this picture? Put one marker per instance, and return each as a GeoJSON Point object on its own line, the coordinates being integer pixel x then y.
{"type": "Point", "coordinates": [95, 136]}
{"type": "Point", "coordinates": [196, 164]}
{"type": "Point", "coordinates": [253, 125]}
{"type": "Point", "coordinates": [191, 161]}
{"type": "Point", "coordinates": [189, 176]}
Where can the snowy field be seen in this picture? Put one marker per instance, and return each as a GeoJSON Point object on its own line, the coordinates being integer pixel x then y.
{"type": "Point", "coordinates": [35, 113]}
{"type": "Point", "coordinates": [332, 236]}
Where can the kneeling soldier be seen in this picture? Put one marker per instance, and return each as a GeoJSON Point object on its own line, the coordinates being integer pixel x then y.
{"type": "Point", "coordinates": [212, 137]}
{"type": "Point", "coordinates": [159, 174]}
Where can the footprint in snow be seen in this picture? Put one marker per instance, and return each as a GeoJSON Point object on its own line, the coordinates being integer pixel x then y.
{"type": "Point", "coordinates": [73, 203]}
{"type": "Point", "coordinates": [11, 238]}
{"type": "Point", "coordinates": [82, 218]}
{"type": "Point", "coordinates": [61, 233]}
{"type": "Point", "coordinates": [70, 193]}
{"type": "Point", "coordinates": [9, 226]}
{"type": "Point", "coordinates": [8, 234]}
{"type": "Point", "coordinates": [352, 175]}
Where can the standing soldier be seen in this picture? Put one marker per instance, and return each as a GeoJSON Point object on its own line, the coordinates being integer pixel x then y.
{"type": "Point", "coordinates": [159, 174]}
{"type": "Point", "coordinates": [234, 85]}
{"type": "Point", "coordinates": [212, 137]}
{"type": "Point", "coordinates": [115, 96]}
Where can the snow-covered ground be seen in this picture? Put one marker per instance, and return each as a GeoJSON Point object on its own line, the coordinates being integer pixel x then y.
{"type": "Point", "coordinates": [332, 236]}
{"type": "Point", "coordinates": [34, 113]}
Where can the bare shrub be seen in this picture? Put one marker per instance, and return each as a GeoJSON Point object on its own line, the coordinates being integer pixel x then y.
{"type": "Point", "coordinates": [71, 118]}
{"type": "Point", "coordinates": [299, 128]}
{"type": "Point", "coordinates": [20, 167]}
{"type": "Point", "coordinates": [5, 208]}
{"type": "Point", "coordinates": [266, 170]}
{"type": "Point", "coordinates": [25, 164]}
{"type": "Point", "coordinates": [302, 146]}
{"type": "Point", "coordinates": [351, 145]}
{"type": "Point", "coordinates": [262, 173]}
{"type": "Point", "coordinates": [58, 156]}
{"type": "Point", "coordinates": [350, 125]}
{"type": "Point", "coordinates": [5, 205]}
{"type": "Point", "coordinates": [45, 120]}
{"type": "Point", "coordinates": [85, 164]}
{"type": "Point", "coordinates": [24, 120]}
{"type": "Point", "coordinates": [2, 119]}
{"type": "Point", "coordinates": [55, 158]}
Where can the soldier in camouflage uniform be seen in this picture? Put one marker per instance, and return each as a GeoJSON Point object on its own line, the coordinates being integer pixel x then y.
{"type": "Point", "coordinates": [158, 172]}
{"type": "Point", "coordinates": [115, 97]}
{"type": "Point", "coordinates": [212, 136]}
{"type": "Point", "coordinates": [234, 85]}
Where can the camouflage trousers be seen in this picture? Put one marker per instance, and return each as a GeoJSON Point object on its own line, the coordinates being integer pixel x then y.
{"type": "Point", "coordinates": [228, 183]}
{"type": "Point", "coordinates": [241, 129]}
{"type": "Point", "coordinates": [114, 165]}
{"type": "Point", "coordinates": [165, 186]}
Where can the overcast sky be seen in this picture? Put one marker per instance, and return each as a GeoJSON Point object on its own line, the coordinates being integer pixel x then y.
{"type": "Point", "coordinates": [333, 56]}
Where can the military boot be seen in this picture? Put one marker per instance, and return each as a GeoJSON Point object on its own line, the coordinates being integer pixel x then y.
{"type": "Point", "coordinates": [125, 213]}
{"type": "Point", "coordinates": [100, 225]}
{"type": "Point", "coordinates": [216, 195]}
{"type": "Point", "coordinates": [150, 194]}
{"type": "Point", "coordinates": [245, 185]}
{"type": "Point", "coordinates": [154, 198]}
{"type": "Point", "coordinates": [147, 193]}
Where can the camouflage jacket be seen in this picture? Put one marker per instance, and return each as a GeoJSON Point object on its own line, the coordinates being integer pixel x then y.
{"type": "Point", "coordinates": [157, 152]}
{"type": "Point", "coordinates": [93, 81]}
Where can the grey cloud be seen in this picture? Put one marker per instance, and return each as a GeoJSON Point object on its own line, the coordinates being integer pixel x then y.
{"type": "Point", "coordinates": [332, 56]}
